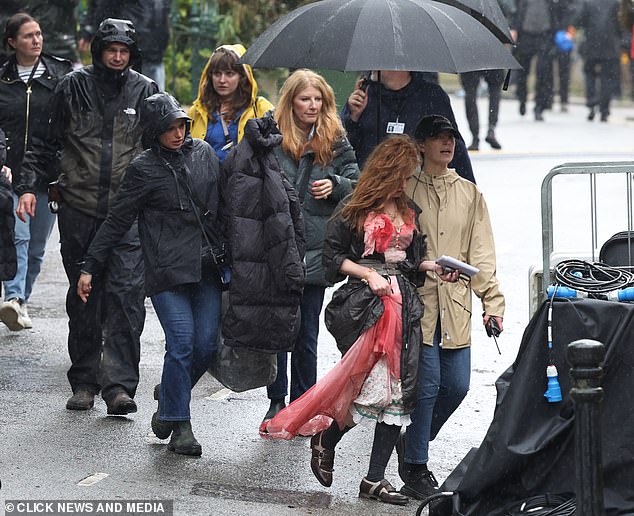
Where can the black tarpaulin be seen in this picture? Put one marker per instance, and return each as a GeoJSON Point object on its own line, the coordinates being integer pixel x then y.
{"type": "Point", "coordinates": [529, 447]}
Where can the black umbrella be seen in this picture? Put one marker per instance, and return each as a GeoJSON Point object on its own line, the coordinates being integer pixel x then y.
{"type": "Point", "coordinates": [487, 12]}
{"type": "Point", "coordinates": [357, 35]}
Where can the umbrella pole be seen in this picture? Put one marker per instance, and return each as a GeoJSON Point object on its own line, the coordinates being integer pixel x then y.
{"type": "Point", "coordinates": [378, 106]}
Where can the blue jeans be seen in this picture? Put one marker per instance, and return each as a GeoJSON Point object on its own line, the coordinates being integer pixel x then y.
{"type": "Point", "coordinates": [304, 356]}
{"type": "Point", "coordinates": [443, 382]}
{"type": "Point", "coordinates": [190, 316]}
{"type": "Point", "coordinates": [30, 245]}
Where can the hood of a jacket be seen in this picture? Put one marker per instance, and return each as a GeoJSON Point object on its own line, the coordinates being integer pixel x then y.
{"type": "Point", "coordinates": [157, 113]}
{"type": "Point", "coordinates": [113, 30]}
{"type": "Point", "coordinates": [434, 182]}
{"type": "Point", "coordinates": [238, 50]}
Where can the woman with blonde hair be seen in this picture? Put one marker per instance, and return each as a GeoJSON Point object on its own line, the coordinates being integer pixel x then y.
{"type": "Point", "coordinates": [375, 241]}
{"type": "Point", "coordinates": [227, 98]}
{"type": "Point", "coordinates": [318, 160]}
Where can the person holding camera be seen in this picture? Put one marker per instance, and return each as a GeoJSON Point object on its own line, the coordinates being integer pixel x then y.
{"type": "Point", "coordinates": [319, 161]}
{"type": "Point", "coordinates": [455, 218]}
{"type": "Point", "coordinates": [227, 98]}
{"type": "Point", "coordinates": [388, 102]}
{"type": "Point", "coordinates": [172, 187]}
{"type": "Point", "coordinates": [93, 127]}
{"type": "Point", "coordinates": [27, 82]}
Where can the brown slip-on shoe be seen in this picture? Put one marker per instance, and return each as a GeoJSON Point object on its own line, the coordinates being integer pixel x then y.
{"type": "Point", "coordinates": [322, 461]}
{"type": "Point", "coordinates": [382, 491]}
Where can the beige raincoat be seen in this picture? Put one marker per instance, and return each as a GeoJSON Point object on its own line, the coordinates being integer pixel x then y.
{"type": "Point", "coordinates": [456, 221]}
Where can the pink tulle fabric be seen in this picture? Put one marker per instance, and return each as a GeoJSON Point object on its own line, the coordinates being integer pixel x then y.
{"type": "Point", "coordinates": [379, 233]}
{"type": "Point", "coordinates": [331, 397]}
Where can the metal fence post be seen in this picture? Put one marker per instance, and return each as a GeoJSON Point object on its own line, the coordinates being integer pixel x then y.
{"type": "Point", "coordinates": [585, 356]}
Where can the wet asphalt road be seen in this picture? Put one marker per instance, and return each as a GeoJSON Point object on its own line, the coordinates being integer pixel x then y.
{"type": "Point", "coordinates": [46, 451]}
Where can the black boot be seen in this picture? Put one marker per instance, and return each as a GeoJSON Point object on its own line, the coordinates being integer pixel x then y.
{"type": "Point", "coordinates": [183, 440]}
{"type": "Point", "coordinates": [161, 429]}
{"type": "Point", "coordinates": [492, 140]}
{"type": "Point", "coordinates": [591, 114]}
{"type": "Point", "coordinates": [539, 115]}
{"type": "Point", "coordinates": [274, 408]}
{"type": "Point", "coordinates": [475, 145]}
{"type": "Point", "coordinates": [419, 481]}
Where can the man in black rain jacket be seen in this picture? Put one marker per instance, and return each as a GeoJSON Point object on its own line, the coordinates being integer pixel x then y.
{"type": "Point", "coordinates": [405, 97]}
{"type": "Point", "coordinates": [95, 127]}
{"type": "Point", "coordinates": [151, 21]}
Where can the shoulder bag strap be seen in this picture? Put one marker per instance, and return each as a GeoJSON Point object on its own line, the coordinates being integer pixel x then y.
{"type": "Point", "coordinates": [195, 206]}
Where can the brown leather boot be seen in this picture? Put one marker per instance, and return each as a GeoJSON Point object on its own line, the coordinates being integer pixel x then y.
{"type": "Point", "coordinates": [82, 399]}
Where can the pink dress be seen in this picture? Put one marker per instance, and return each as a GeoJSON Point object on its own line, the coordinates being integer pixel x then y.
{"type": "Point", "coordinates": [366, 381]}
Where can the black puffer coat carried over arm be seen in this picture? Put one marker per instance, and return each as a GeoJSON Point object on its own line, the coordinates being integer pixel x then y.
{"type": "Point", "coordinates": [355, 308]}
{"type": "Point", "coordinates": [265, 233]}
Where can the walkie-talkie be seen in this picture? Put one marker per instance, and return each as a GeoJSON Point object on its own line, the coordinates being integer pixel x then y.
{"type": "Point", "coordinates": [493, 330]}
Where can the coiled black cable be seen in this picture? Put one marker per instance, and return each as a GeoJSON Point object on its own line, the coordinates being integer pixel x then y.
{"type": "Point", "coordinates": [543, 505]}
{"type": "Point", "coordinates": [592, 278]}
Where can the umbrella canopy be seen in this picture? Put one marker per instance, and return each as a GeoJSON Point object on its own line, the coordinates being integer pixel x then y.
{"type": "Point", "coordinates": [357, 35]}
{"type": "Point", "coordinates": [487, 12]}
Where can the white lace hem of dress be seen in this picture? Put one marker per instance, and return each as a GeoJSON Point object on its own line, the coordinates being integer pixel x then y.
{"type": "Point", "coordinates": [370, 420]}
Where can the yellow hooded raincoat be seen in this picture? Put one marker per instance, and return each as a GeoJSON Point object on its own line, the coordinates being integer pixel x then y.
{"type": "Point", "coordinates": [257, 108]}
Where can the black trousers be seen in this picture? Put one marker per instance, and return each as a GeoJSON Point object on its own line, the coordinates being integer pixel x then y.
{"type": "Point", "coordinates": [104, 333]}
{"type": "Point", "coordinates": [470, 82]}
{"type": "Point", "coordinates": [564, 60]}
{"type": "Point", "coordinates": [601, 78]}
{"type": "Point", "coordinates": [539, 46]}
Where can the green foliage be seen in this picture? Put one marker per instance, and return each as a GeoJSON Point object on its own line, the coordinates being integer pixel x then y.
{"type": "Point", "coordinates": [198, 26]}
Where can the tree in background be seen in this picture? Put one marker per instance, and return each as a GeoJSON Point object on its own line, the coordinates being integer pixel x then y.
{"type": "Point", "coordinates": [199, 26]}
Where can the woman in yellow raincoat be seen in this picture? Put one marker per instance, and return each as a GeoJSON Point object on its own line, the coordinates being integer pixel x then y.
{"type": "Point", "coordinates": [227, 98]}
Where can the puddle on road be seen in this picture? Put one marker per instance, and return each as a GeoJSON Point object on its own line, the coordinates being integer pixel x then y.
{"type": "Point", "coordinates": [261, 495]}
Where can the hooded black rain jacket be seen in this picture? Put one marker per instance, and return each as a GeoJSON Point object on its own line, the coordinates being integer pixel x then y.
{"type": "Point", "coordinates": [155, 188]}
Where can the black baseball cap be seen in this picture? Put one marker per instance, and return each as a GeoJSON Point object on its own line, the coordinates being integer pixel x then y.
{"type": "Point", "coordinates": [433, 125]}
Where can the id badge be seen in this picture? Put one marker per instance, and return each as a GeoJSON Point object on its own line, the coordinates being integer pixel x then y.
{"type": "Point", "coordinates": [395, 128]}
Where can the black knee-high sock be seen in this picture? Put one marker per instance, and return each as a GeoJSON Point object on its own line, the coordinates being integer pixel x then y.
{"type": "Point", "coordinates": [332, 435]}
{"type": "Point", "coordinates": [385, 437]}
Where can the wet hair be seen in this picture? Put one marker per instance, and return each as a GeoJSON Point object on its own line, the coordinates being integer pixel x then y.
{"type": "Point", "coordinates": [328, 127]}
{"type": "Point", "coordinates": [223, 60]}
{"type": "Point", "coordinates": [13, 25]}
{"type": "Point", "coordinates": [389, 163]}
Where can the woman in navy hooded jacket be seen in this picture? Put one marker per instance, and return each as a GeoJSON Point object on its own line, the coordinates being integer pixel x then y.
{"type": "Point", "coordinates": [165, 186]}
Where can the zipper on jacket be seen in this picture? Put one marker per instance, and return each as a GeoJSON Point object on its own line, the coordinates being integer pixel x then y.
{"type": "Point", "coordinates": [28, 110]}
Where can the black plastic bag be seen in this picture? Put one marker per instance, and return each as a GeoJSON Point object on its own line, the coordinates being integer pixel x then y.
{"type": "Point", "coordinates": [242, 369]}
